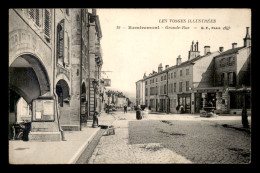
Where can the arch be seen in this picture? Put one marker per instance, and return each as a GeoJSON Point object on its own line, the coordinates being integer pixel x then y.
{"type": "Point", "coordinates": [83, 92]}
{"type": "Point", "coordinates": [61, 76]}
{"type": "Point", "coordinates": [63, 91]}
{"type": "Point", "coordinates": [28, 77]}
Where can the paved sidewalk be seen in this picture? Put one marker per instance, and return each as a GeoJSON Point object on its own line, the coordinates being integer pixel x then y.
{"type": "Point", "coordinates": [61, 152]}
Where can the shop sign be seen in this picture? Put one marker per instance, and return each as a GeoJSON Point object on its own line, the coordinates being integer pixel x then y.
{"type": "Point", "coordinates": [107, 82]}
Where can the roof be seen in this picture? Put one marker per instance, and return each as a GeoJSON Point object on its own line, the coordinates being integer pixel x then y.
{"type": "Point", "coordinates": [230, 51]}
{"type": "Point", "coordinates": [181, 65]}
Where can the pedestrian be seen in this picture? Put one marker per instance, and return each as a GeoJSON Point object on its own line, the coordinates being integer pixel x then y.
{"type": "Point", "coordinates": [125, 109]}
{"type": "Point", "coordinates": [182, 109]}
{"type": "Point", "coordinates": [107, 109]}
{"type": "Point", "coordinates": [138, 113]}
{"type": "Point", "coordinates": [177, 108]}
{"type": "Point", "coordinates": [95, 118]}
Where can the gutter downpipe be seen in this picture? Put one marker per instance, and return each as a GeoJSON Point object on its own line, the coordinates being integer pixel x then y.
{"type": "Point", "coordinates": [88, 59]}
{"type": "Point", "coordinates": [80, 69]}
{"type": "Point", "coordinates": [54, 86]}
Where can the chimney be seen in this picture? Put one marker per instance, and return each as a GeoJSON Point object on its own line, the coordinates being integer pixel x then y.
{"type": "Point", "coordinates": [167, 66]}
{"type": "Point", "coordinates": [206, 50]}
{"type": "Point", "coordinates": [94, 11]}
{"type": "Point", "coordinates": [178, 62]}
{"type": "Point", "coordinates": [234, 45]}
{"type": "Point", "coordinates": [160, 68]}
{"type": "Point", "coordinates": [247, 39]}
{"type": "Point", "coordinates": [194, 51]}
{"type": "Point", "coordinates": [197, 46]}
{"type": "Point", "coordinates": [221, 49]}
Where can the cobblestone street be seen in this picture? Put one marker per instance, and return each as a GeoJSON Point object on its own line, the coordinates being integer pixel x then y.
{"type": "Point", "coordinates": [172, 139]}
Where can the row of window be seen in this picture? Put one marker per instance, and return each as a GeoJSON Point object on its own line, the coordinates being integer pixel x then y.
{"type": "Point", "coordinates": [230, 61]}
{"type": "Point", "coordinates": [152, 103]}
{"type": "Point", "coordinates": [228, 78]}
{"type": "Point", "coordinates": [42, 19]}
{"type": "Point", "coordinates": [170, 76]}
{"type": "Point", "coordinates": [171, 88]}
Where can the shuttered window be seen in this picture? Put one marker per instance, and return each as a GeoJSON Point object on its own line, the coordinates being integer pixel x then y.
{"type": "Point", "coordinates": [187, 85]}
{"type": "Point", "coordinates": [180, 87]}
{"type": "Point", "coordinates": [187, 71]}
{"type": "Point", "coordinates": [34, 14]}
{"type": "Point", "coordinates": [231, 79]}
{"type": "Point", "coordinates": [60, 42]}
{"type": "Point", "coordinates": [47, 22]}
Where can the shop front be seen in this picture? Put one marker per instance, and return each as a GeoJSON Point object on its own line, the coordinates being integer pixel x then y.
{"type": "Point", "coordinates": [163, 103]}
{"type": "Point", "coordinates": [184, 100]}
{"type": "Point", "coordinates": [208, 97]}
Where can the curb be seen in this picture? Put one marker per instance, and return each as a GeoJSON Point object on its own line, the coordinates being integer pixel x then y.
{"type": "Point", "coordinates": [76, 156]}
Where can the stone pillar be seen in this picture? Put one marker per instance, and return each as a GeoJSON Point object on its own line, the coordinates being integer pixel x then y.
{"type": "Point", "coordinates": [74, 123]}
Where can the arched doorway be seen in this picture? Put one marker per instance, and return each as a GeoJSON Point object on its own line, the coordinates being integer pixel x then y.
{"type": "Point", "coordinates": [28, 79]}
{"type": "Point", "coordinates": [62, 90]}
{"type": "Point", "coordinates": [63, 93]}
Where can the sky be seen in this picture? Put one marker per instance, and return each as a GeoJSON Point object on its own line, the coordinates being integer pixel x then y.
{"type": "Point", "coordinates": [129, 53]}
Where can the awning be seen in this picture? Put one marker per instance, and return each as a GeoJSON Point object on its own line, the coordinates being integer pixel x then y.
{"type": "Point", "coordinates": [240, 90]}
{"type": "Point", "coordinates": [209, 89]}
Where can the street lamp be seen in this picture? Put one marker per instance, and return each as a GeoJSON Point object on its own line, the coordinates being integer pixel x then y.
{"type": "Point", "coordinates": [95, 118]}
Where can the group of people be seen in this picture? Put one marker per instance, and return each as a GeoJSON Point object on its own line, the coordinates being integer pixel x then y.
{"type": "Point", "coordinates": [140, 113]}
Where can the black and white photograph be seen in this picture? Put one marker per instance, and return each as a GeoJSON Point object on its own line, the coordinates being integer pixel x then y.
{"type": "Point", "coordinates": [129, 86]}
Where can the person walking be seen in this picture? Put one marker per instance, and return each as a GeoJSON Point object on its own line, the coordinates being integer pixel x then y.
{"type": "Point", "coordinates": [182, 109]}
{"type": "Point", "coordinates": [95, 119]}
{"type": "Point", "coordinates": [107, 109]}
{"type": "Point", "coordinates": [125, 109]}
{"type": "Point", "coordinates": [177, 108]}
{"type": "Point", "coordinates": [138, 113]}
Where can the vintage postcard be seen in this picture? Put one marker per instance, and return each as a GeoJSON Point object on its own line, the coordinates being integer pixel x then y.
{"type": "Point", "coordinates": [129, 86]}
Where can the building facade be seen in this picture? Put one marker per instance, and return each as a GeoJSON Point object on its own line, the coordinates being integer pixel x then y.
{"type": "Point", "coordinates": [220, 77]}
{"type": "Point", "coordinates": [54, 55]}
{"type": "Point", "coordinates": [232, 74]}
{"type": "Point", "coordinates": [140, 92]}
